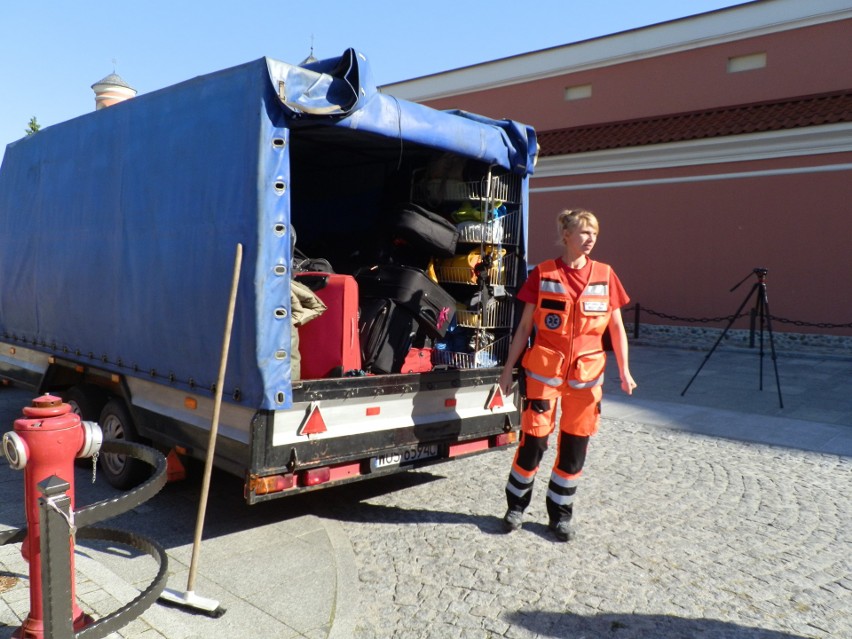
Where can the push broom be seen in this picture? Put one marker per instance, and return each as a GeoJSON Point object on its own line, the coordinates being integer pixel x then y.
{"type": "Point", "coordinates": [188, 598]}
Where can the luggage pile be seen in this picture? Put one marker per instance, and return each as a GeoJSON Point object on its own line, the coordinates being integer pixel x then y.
{"type": "Point", "coordinates": [383, 318]}
{"type": "Point", "coordinates": [429, 290]}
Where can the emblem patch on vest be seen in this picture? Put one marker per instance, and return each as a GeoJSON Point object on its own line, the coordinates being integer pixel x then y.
{"type": "Point", "coordinates": [552, 321]}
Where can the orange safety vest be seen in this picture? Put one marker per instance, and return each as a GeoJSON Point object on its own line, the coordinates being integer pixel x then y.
{"type": "Point", "coordinates": [568, 343]}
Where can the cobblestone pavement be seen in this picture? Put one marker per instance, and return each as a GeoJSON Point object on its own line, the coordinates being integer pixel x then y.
{"type": "Point", "coordinates": [679, 535]}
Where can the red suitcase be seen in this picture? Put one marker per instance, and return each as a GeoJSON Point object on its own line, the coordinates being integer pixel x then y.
{"type": "Point", "coordinates": [329, 345]}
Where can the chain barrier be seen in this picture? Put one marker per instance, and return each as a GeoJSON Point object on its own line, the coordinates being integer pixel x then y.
{"type": "Point", "coordinates": [714, 320]}
{"type": "Point", "coordinates": [811, 324]}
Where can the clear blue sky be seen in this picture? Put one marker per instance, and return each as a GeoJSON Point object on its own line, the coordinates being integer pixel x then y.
{"type": "Point", "coordinates": [51, 52]}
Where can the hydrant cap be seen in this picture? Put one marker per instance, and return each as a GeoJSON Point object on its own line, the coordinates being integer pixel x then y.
{"type": "Point", "coordinates": [15, 450]}
{"type": "Point", "coordinates": [93, 437]}
{"type": "Point", "coordinates": [47, 401]}
{"type": "Point", "coordinates": [46, 406]}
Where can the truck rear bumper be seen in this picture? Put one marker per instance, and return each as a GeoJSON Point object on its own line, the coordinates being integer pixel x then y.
{"type": "Point", "coordinates": [338, 432]}
{"type": "Point", "coordinates": [315, 464]}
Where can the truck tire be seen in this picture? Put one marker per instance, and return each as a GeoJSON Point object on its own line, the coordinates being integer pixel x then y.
{"type": "Point", "coordinates": [85, 400]}
{"type": "Point", "coordinates": [121, 471]}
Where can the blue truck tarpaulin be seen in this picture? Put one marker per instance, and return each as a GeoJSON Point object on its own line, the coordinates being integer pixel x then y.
{"type": "Point", "coordinates": [118, 228]}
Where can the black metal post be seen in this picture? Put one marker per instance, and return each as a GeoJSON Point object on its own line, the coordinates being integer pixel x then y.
{"type": "Point", "coordinates": [54, 520]}
{"type": "Point", "coordinates": [636, 311]}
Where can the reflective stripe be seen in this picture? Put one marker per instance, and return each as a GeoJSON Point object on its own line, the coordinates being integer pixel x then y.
{"type": "Point", "coordinates": [591, 384]}
{"type": "Point", "coordinates": [598, 290]}
{"type": "Point", "coordinates": [550, 381]}
{"type": "Point", "coordinates": [517, 492]}
{"type": "Point", "coordinates": [565, 483]}
{"type": "Point", "coordinates": [550, 286]}
{"type": "Point", "coordinates": [519, 485]}
{"type": "Point", "coordinates": [521, 479]}
{"type": "Point", "coordinates": [562, 500]}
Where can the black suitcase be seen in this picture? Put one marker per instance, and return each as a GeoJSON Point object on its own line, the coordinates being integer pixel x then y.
{"type": "Point", "coordinates": [409, 287]}
{"type": "Point", "coordinates": [425, 231]}
{"type": "Point", "coordinates": [386, 331]}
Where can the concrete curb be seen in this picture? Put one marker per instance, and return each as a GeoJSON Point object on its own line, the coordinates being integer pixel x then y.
{"type": "Point", "coordinates": [347, 596]}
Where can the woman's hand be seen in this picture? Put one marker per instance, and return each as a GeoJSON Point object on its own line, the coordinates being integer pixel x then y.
{"type": "Point", "coordinates": [506, 382]}
{"type": "Point", "coordinates": [627, 383]}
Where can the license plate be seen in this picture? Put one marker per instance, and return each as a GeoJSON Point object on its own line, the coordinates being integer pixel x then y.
{"type": "Point", "coordinates": [402, 457]}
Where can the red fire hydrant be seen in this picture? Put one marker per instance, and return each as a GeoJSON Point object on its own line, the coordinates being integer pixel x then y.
{"type": "Point", "coordinates": [45, 442]}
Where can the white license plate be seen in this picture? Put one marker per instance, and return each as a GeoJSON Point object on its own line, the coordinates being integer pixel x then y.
{"type": "Point", "coordinates": [402, 457]}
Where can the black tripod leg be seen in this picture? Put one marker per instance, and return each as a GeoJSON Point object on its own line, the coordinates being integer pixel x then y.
{"type": "Point", "coordinates": [761, 315]}
{"type": "Point", "coordinates": [721, 337]}
{"type": "Point", "coordinates": [772, 345]}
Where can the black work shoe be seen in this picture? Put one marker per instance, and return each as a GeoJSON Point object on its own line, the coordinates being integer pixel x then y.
{"type": "Point", "coordinates": [513, 520]}
{"type": "Point", "coordinates": [562, 529]}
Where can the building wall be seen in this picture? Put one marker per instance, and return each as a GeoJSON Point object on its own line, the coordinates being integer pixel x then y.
{"type": "Point", "coordinates": [681, 233]}
{"type": "Point", "coordinates": [680, 246]}
{"type": "Point", "coordinates": [799, 62]}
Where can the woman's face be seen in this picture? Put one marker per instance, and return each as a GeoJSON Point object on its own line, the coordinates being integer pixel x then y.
{"type": "Point", "coordinates": [581, 240]}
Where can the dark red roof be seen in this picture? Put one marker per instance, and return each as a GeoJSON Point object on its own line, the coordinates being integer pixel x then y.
{"type": "Point", "coordinates": [791, 113]}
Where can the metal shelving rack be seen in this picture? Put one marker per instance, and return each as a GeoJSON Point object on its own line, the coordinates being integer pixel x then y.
{"type": "Point", "coordinates": [487, 261]}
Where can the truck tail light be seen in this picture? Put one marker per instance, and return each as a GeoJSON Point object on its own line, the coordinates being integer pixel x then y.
{"type": "Point", "coordinates": [325, 474]}
{"type": "Point", "coordinates": [315, 476]}
{"type": "Point", "coordinates": [504, 439]}
{"type": "Point", "coordinates": [273, 484]}
{"type": "Point", "coordinates": [465, 448]}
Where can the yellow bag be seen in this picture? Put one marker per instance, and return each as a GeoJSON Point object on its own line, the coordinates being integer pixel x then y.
{"type": "Point", "coordinates": [461, 269]}
{"type": "Point", "coordinates": [430, 270]}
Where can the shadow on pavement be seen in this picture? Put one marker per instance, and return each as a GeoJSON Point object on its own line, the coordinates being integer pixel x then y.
{"type": "Point", "coordinates": [171, 515]}
{"type": "Point", "coordinates": [351, 504]}
{"type": "Point", "coordinates": [570, 626]}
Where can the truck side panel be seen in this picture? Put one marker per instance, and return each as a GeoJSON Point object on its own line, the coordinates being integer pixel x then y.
{"type": "Point", "coordinates": [118, 231]}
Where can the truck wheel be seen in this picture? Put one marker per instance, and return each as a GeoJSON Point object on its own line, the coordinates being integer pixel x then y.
{"type": "Point", "coordinates": [121, 471]}
{"type": "Point", "coordinates": [87, 401]}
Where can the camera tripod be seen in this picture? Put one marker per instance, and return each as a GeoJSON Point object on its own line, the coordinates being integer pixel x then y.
{"type": "Point", "coordinates": [761, 309]}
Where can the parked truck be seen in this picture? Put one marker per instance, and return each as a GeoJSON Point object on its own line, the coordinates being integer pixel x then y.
{"type": "Point", "coordinates": [118, 231]}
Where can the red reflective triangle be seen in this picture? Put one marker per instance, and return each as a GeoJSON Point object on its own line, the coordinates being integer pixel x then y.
{"type": "Point", "coordinates": [314, 423]}
{"type": "Point", "coordinates": [496, 399]}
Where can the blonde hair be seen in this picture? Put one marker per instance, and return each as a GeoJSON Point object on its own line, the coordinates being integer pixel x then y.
{"type": "Point", "coordinates": [570, 220]}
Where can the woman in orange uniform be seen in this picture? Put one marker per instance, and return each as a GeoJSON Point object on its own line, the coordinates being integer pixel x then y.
{"type": "Point", "coordinates": [570, 302]}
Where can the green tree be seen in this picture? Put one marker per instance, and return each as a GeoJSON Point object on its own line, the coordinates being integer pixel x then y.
{"type": "Point", "coordinates": [33, 126]}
